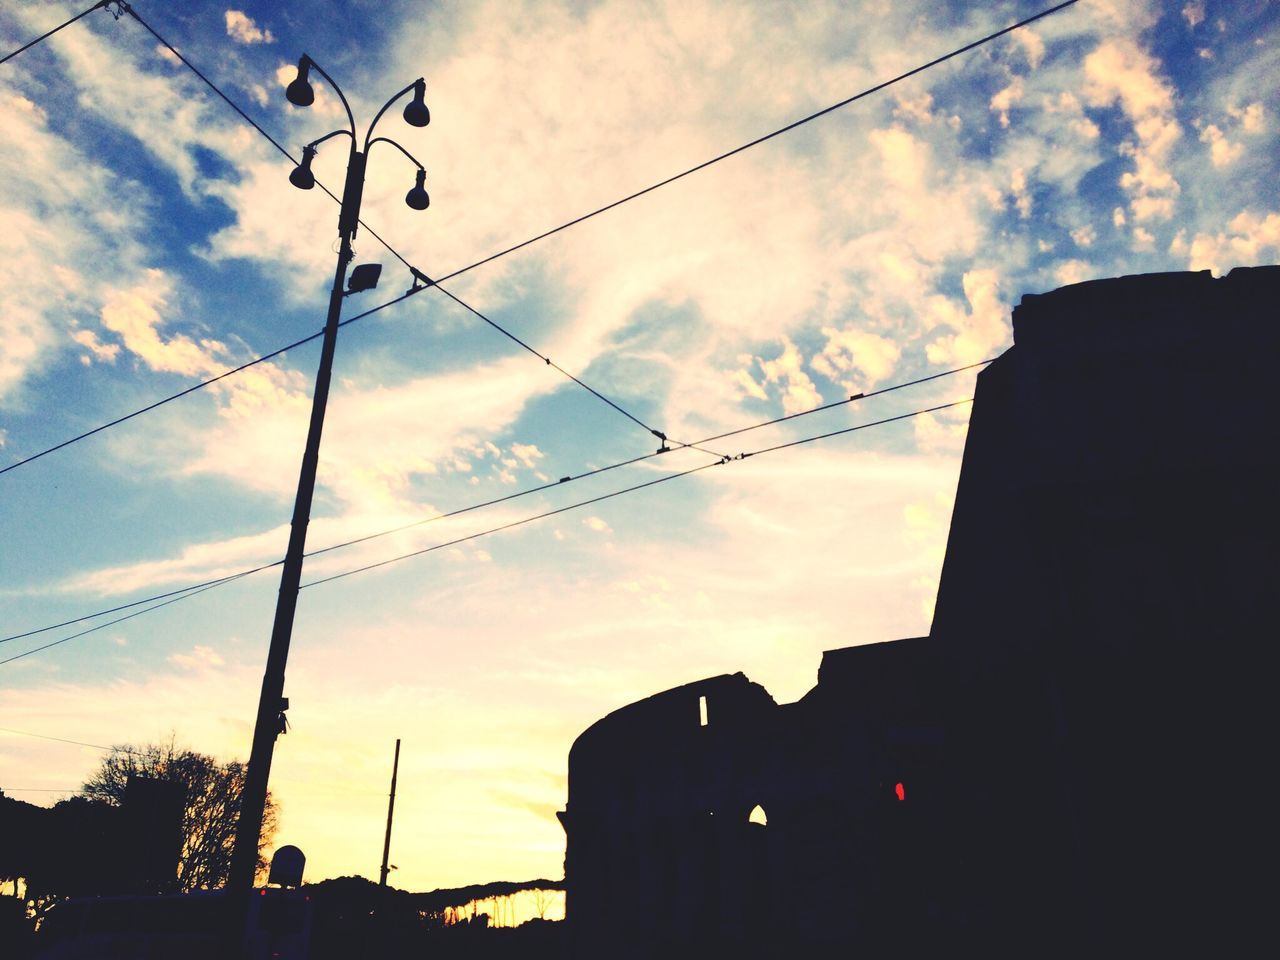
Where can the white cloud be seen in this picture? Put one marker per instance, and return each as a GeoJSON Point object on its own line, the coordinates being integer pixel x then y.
{"type": "Point", "coordinates": [1250, 239]}
{"type": "Point", "coordinates": [1252, 118]}
{"type": "Point", "coordinates": [856, 359]}
{"type": "Point", "coordinates": [1032, 45]}
{"type": "Point", "coordinates": [1003, 101]}
{"type": "Point", "coordinates": [105, 352]}
{"type": "Point", "coordinates": [58, 242]}
{"type": "Point", "coordinates": [527, 453]}
{"type": "Point", "coordinates": [134, 314]}
{"type": "Point", "coordinates": [242, 29]}
{"type": "Point", "coordinates": [597, 525]}
{"type": "Point", "coordinates": [200, 658]}
{"type": "Point", "coordinates": [1121, 72]}
{"type": "Point", "coordinates": [1073, 271]}
{"type": "Point", "coordinates": [1221, 150]}
{"type": "Point", "coordinates": [1084, 236]}
{"type": "Point", "coordinates": [979, 330]}
{"type": "Point", "coordinates": [786, 371]}
{"type": "Point", "coordinates": [1193, 13]}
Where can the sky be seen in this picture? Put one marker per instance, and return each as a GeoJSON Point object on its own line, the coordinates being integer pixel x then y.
{"type": "Point", "coordinates": [151, 239]}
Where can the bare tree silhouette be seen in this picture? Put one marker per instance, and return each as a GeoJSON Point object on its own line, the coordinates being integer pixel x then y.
{"type": "Point", "coordinates": [210, 810]}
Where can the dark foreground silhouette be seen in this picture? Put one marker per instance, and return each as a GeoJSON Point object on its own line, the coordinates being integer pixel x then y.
{"type": "Point", "coordinates": [1075, 762]}
{"type": "Point", "coordinates": [1071, 763]}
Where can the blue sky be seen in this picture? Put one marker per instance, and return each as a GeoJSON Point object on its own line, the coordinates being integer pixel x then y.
{"type": "Point", "coordinates": [151, 239]}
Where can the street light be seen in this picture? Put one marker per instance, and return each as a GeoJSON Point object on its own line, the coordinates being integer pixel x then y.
{"type": "Point", "coordinates": [272, 704]}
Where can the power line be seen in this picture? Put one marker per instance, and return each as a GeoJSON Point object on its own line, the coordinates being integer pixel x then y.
{"type": "Point", "coordinates": [216, 582]}
{"type": "Point", "coordinates": [418, 274]}
{"type": "Point", "coordinates": [855, 397]}
{"type": "Point", "coordinates": [209, 585]}
{"type": "Point", "coordinates": [498, 500]}
{"type": "Point", "coordinates": [253, 123]}
{"type": "Point", "coordinates": [564, 226]}
{"type": "Point", "coordinates": [45, 36]}
{"type": "Point", "coordinates": [41, 736]}
{"type": "Point", "coordinates": [596, 471]}
{"type": "Point", "coordinates": [631, 489]}
{"type": "Point", "coordinates": [768, 136]}
{"type": "Point", "coordinates": [204, 383]}
{"type": "Point", "coordinates": [190, 592]}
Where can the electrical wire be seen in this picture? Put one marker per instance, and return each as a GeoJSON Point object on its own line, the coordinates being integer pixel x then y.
{"type": "Point", "coordinates": [41, 736]}
{"type": "Point", "coordinates": [768, 136]}
{"type": "Point", "coordinates": [137, 613]}
{"type": "Point", "coordinates": [632, 489]}
{"type": "Point", "coordinates": [516, 523]}
{"type": "Point", "coordinates": [498, 500]}
{"type": "Point", "coordinates": [204, 383]}
{"type": "Point", "coordinates": [209, 585]}
{"type": "Point", "coordinates": [45, 36]}
{"type": "Point", "coordinates": [390, 249]}
{"type": "Point", "coordinates": [315, 336]}
{"type": "Point", "coordinates": [216, 582]}
{"type": "Point", "coordinates": [564, 226]}
{"type": "Point", "coordinates": [494, 502]}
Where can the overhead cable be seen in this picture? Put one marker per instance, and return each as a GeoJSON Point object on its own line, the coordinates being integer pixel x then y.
{"type": "Point", "coordinates": [42, 736]}
{"type": "Point", "coordinates": [418, 274]}
{"type": "Point", "coordinates": [45, 36]}
{"type": "Point", "coordinates": [184, 595]}
{"type": "Point", "coordinates": [209, 585]}
{"type": "Point", "coordinates": [768, 136]}
{"type": "Point", "coordinates": [564, 226]}
{"type": "Point", "coordinates": [596, 471]}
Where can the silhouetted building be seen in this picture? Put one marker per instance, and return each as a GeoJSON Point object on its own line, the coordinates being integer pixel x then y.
{"type": "Point", "coordinates": [1073, 760]}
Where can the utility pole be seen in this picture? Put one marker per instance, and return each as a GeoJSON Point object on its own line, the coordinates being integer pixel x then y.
{"type": "Point", "coordinates": [391, 809]}
{"type": "Point", "coordinates": [272, 703]}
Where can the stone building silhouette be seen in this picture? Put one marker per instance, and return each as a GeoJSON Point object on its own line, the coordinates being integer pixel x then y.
{"type": "Point", "coordinates": [1073, 760]}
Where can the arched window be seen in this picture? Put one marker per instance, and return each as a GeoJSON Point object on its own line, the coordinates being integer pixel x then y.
{"type": "Point", "coordinates": [757, 815]}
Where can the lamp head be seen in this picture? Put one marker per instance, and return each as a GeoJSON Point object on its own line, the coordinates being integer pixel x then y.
{"type": "Point", "coordinates": [417, 197]}
{"type": "Point", "coordinates": [416, 113]}
{"type": "Point", "coordinates": [302, 177]}
{"type": "Point", "coordinates": [299, 91]}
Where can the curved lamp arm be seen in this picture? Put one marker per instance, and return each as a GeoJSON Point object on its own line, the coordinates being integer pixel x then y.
{"type": "Point", "coordinates": [328, 136]}
{"type": "Point", "coordinates": [367, 141]}
{"type": "Point", "coordinates": [394, 144]}
{"type": "Point", "coordinates": [338, 90]}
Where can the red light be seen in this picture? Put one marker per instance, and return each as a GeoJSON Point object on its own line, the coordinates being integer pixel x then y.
{"type": "Point", "coordinates": [262, 893]}
{"type": "Point", "coordinates": [901, 791]}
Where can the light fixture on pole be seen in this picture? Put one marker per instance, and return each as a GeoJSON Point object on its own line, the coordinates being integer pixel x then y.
{"type": "Point", "coordinates": [271, 703]}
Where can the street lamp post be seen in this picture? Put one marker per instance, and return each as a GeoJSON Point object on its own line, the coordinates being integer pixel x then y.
{"type": "Point", "coordinates": [271, 703]}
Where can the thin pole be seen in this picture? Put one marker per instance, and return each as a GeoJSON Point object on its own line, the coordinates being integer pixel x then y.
{"type": "Point", "coordinates": [271, 703]}
{"type": "Point", "coordinates": [391, 809]}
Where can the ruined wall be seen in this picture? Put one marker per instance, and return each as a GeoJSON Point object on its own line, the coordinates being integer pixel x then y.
{"type": "Point", "coordinates": [1080, 737]}
{"type": "Point", "coordinates": [661, 851]}
{"type": "Point", "coordinates": [1107, 579]}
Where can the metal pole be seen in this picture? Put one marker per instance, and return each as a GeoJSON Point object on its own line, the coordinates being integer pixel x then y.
{"type": "Point", "coordinates": [271, 703]}
{"type": "Point", "coordinates": [391, 809]}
